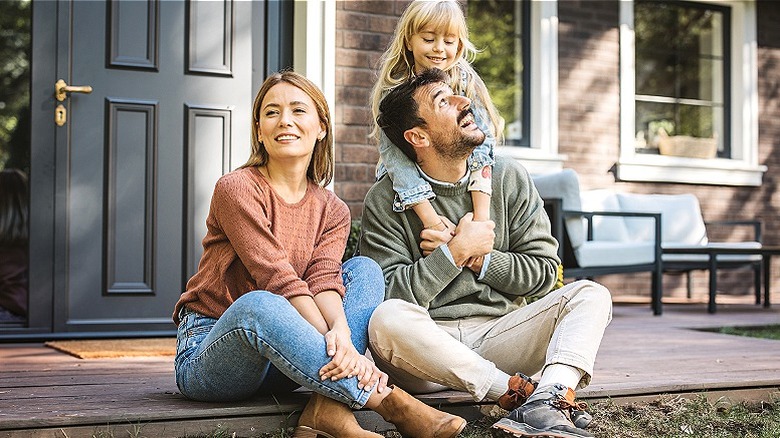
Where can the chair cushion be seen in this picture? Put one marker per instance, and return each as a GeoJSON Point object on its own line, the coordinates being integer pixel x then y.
{"type": "Point", "coordinates": [681, 219]}
{"type": "Point", "coordinates": [566, 186]}
{"type": "Point", "coordinates": [598, 253]}
{"type": "Point", "coordinates": [607, 228]}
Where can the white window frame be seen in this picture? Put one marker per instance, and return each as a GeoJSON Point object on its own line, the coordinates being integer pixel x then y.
{"type": "Point", "coordinates": [314, 47]}
{"type": "Point", "coordinates": [742, 169]}
{"type": "Point", "coordinates": [542, 156]}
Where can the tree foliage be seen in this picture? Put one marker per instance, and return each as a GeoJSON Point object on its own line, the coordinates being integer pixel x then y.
{"type": "Point", "coordinates": [15, 52]}
{"type": "Point", "coordinates": [492, 25]}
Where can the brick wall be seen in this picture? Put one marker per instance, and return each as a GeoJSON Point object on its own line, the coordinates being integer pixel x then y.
{"type": "Point", "coordinates": [766, 201]}
{"type": "Point", "coordinates": [363, 32]}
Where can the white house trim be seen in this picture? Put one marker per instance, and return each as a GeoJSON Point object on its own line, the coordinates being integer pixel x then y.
{"type": "Point", "coordinates": [314, 46]}
{"type": "Point", "coordinates": [542, 156]}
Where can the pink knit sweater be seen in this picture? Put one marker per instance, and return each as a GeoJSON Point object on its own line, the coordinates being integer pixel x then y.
{"type": "Point", "coordinates": [257, 241]}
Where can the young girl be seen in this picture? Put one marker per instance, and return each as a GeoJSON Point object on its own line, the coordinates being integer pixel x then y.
{"type": "Point", "coordinates": [434, 34]}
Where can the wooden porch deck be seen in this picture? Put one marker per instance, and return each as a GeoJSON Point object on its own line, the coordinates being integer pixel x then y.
{"type": "Point", "coordinates": [45, 393]}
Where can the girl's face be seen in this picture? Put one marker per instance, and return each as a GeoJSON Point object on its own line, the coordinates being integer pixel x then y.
{"type": "Point", "coordinates": [432, 49]}
{"type": "Point", "coordinates": [289, 125]}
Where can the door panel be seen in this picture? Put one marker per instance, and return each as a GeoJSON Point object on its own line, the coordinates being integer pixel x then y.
{"type": "Point", "coordinates": [169, 113]}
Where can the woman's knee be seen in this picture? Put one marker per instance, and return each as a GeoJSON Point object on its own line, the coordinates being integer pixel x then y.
{"type": "Point", "coordinates": [368, 274]}
{"type": "Point", "coordinates": [255, 305]}
{"type": "Point", "coordinates": [257, 298]}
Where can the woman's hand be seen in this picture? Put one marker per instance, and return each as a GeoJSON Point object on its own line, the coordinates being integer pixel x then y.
{"type": "Point", "coordinates": [344, 356]}
{"type": "Point", "coordinates": [371, 375]}
{"type": "Point", "coordinates": [348, 362]}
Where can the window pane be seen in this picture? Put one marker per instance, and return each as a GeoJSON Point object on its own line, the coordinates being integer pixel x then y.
{"type": "Point", "coordinates": [680, 73]}
{"type": "Point", "coordinates": [497, 30]}
{"type": "Point", "coordinates": [655, 120]}
{"type": "Point", "coordinates": [701, 79]}
{"type": "Point", "coordinates": [655, 73]}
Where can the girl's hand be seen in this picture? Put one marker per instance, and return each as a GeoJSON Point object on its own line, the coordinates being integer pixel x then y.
{"type": "Point", "coordinates": [475, 264]}
{"type": "Point", "coordinates": [432, 238]}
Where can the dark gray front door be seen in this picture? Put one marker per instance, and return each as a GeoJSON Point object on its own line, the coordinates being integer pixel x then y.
{"type": "Point", "coordinates": [136, 159]}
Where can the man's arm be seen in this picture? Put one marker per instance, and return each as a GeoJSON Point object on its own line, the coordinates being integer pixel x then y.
{"type": "Point", "coordinates": [387, 238]}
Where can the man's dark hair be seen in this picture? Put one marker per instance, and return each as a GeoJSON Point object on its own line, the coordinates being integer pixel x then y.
{"type": "Point", "coordinates": [399, 112]}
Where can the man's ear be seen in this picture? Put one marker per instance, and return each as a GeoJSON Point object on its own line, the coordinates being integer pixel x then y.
{"type": "Point", "coordinates": [417, 137]}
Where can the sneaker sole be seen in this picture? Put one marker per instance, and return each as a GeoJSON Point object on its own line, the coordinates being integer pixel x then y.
{"type": "Point", "coordinates": [513, 428]}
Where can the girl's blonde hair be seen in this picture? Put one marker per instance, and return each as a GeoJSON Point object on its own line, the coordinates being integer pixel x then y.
{"type": "Point", "coordinates": [397, 63]}
{"type": "Point", "coordinates": [321, 167]}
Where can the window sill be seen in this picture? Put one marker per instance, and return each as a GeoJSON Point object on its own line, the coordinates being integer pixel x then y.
{"type": "Point", "coordinates": [536, 161]}
{"type": "Point", "coordinates": [717, 171]}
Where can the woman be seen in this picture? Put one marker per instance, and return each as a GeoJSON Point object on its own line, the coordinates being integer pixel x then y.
{"type": "Point", "coordinates": [271, 307]}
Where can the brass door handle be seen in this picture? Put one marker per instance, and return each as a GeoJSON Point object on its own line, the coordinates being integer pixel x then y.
{"type": "Point", "coordinates": [60, 88]}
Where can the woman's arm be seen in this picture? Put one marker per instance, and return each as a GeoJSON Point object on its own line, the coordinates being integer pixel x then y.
{"type": "Point", "coordinates": [310, 311]}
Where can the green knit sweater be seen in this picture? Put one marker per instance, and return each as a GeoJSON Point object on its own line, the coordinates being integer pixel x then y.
{"type": "Point", "coordinates": [523, 262]}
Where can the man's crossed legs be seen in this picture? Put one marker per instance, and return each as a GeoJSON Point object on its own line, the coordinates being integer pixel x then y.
{"type": "Point", "coordinates": [559, 335]}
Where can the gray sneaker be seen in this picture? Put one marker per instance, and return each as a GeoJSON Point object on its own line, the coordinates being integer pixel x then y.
{"type": "Point", "coordinates": [546, 413]}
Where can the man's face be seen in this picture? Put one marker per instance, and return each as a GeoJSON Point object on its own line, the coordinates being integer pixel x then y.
{"type": "Point", "coordinates": [449, 119]}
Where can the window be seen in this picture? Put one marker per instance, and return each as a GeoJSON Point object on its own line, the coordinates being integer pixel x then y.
{"type": "Point", "coordinates": [681, 87]}
{"type": "Point", "coordinates": [688, 92]}
{"type": "Point", "coordinates": [503, 62]}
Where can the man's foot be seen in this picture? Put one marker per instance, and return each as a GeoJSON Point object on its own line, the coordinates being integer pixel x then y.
{"type": "Point", "coordinates": [546, 413]}
{"type": "Point", "coordinates": [520, 388]}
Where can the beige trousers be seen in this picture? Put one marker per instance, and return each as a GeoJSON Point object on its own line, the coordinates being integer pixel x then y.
{"type": "Point", "coordinates": [421, 354]}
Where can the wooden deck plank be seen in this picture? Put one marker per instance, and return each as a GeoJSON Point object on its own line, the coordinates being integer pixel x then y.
{"type": "Point", "coordinates": [43, 391]}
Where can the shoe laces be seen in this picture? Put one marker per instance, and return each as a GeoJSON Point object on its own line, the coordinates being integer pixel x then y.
{"type": "Point", "coordinates": [520, 394]}
{"type": "Point", "coordinates": [566, 402]}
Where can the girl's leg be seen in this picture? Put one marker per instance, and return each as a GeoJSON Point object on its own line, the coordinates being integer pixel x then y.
{"type": "Point", "coordinates": [231, 361]}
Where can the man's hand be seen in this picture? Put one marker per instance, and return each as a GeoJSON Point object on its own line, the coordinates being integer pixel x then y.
{"type": "Point", "coordinates": [471, 240]}
{"type": "Point", "coordinates": [433, 238]}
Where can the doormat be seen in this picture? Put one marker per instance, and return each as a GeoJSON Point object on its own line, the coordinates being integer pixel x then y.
{"type": "Point", "coordinates": [108, 348]}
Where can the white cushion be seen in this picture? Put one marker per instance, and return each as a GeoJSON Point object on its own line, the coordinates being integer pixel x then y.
{"type": "Point", "coordinates": [566, 186]}
{"type": "Point", "coordinates": [609, 228]}
{"type": "Point", "coordinates": [599, 253]}
{"type": "Point", "coordinates": [681, 219]}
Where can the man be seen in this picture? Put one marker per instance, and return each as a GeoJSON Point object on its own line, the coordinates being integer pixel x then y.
{"type": "Point", "coordinates": [456, 313]}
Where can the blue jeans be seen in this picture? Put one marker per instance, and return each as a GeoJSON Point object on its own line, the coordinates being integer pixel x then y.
{"type": "Point", "coordinates": [261, 344]}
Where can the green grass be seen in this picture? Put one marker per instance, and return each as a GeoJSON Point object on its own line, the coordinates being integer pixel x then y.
{"type": "Point", "coordinates": [765, 331]}
{"type": "Point", "coordinates": [665, 417]}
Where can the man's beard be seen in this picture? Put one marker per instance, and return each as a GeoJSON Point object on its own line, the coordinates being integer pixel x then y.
{"type": "Point", "coordinates": [455, 145]}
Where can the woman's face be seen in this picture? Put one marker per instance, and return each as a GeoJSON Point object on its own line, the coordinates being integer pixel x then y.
{"type": "Point", "coordinates": [433, 49]}
{"type": "Point", "coordinates": [289, 125]}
